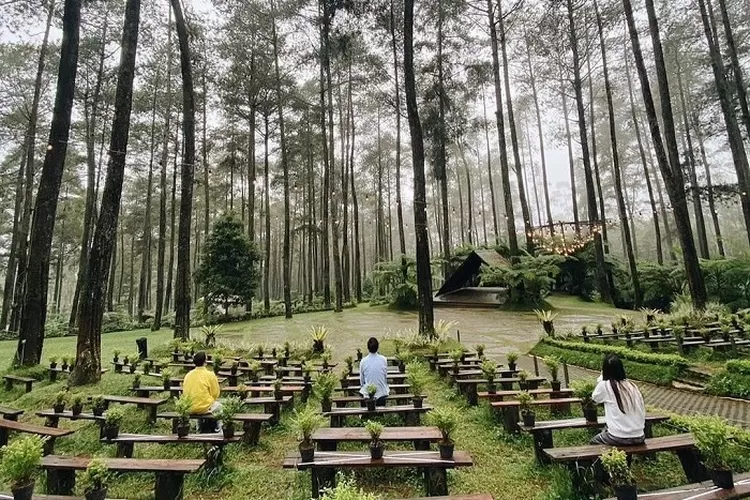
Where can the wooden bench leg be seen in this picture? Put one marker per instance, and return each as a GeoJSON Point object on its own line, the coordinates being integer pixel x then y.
{"type": "Point", "coordinates": [61, 481]}
{"type": "Point", "coordinates": [169, 486]}
{"type": "Point", "coordinates": [542, 440]}
{"type": "Point", "coordinates": [422, 445]}
{"type": "Point", "coordinates": [28, 387]}
{"type": "Point", "coordinates": [274, 410]}
{"type": "Point", "coordinates": [251, 433]}
{"type": "Point", "coordinates": [411, 419]}
{"type": "Point", "coordinates": [510, 420]}
{"type": "Point", "coordinates": [124, 450]}
{"type": "Point", "coordinates": [8, 384]}
{"type": "Point", "coordinates": [324, 477]}
{"type": "Point", "coordinates": [436, 481]}
{"type": "Point", "coordinates": [49, 446]}
{"type": "Point", "coordinates": [52, 422]}
{"type": "Point", "coordinates": [694, 469]}
{"type": "Point", "coordinates": [327, 445]}
{"type": "Point", "coordinates": [471, 395]}
{"type": "Point", "coordinates": [151, 418]}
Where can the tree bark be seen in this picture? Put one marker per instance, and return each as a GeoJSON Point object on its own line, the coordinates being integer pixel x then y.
{"type": "Point", "coordinates": [489, 169]}
{"type": "Point", "coordinates": [397, 90]}
{"type": "Point", "coordinates": [324, 243]}
{"type": "Point", "coordinates": [709, 184]}
{"type": "Point", "coordinates": [739, 81]}
{"type": "Point", "coordinates": [595, 154]}
{"type": "Point", "coordinates": [267, 210]}
{"type": "Point", "coordinates": [441, 158]}
{"type": "Point", "coordinates": [571, 161]}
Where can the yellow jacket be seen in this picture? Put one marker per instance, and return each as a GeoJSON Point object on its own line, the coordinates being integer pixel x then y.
{"type": "Point", "coordinates": [202, 386]}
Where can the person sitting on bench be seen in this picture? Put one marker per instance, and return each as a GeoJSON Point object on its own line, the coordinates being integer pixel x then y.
{"type": "Point", "coordinates": [373, 369]}
{"type": "Point", "coordinates": [202, 386]}
{"type": "Point", "coordinates": [624, 410]}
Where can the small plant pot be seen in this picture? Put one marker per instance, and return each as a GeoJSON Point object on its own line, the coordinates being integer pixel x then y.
{"type": "Point", "coordinates": [136, 386]}
{"type": "Point", "coordinates": [556, 385]}
{"type": "Point", "coordinates": [98, 411]}
{"type": "Point", "coordinates": [242, 395]}
{"type": "Point", "coordinates": [524, 386]}
{"type": "Point", "coordinates": [58, 408]}
{"type": "Point", "coordinates": [167, 385]}
{"type": "Point", "coordinates": [307, 452]}
{"type": "Point", "coordinates": [512, 366]}
{"type": "Point", "coordinates": [359, 355]}
{"type": "Point", "coordinates": [344, 383]}
{"type": "Point", "coordinates": [417, 400]}
{"type": "Point", "coordinates": [376, 450]}
{"type": "Point", "coordinates": [401, 367]}
{"type": "Point", "coordinates": [370, 404]}
{"type": "Point", "coordinates": [722, 478]}
{"type": "Point", "coordinates": [529, 418]}
{"type": "Point", "coordinates": [183, 429]}
{"type": "Point", "coordinates": [629, 492]}
{"type": "Point", "coordinates": [99, 494]}
{"type": "Point", "coordinates": [491, 387]}
{"type": "Point", "coordinates": [146, 369]}
{"type": "Point", "coordinates": [446, 450]}
{"type": "Point", "coordinates": [25, 492]}
{"type": "Point", "coordinates": [76, 409]}
{"type": "Point", "coordinates": [590, 414]}
{"type": "Point", "coordinates": [64, 366]}
{"type": "Point", "coordinates": [278, 395]}
{"type": "Point", "coordinates": [53, 366]}
{"type": "Point", "coordinates": [228, 430]}
{"type": "Point", "coordinates": [325, 405]}
{"type": "Point", "coordinates": [132, 368]}
{"type": "Point", "coordinates": [111, 431]}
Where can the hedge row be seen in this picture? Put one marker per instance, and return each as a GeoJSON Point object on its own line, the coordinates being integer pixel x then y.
{"type": "Point", "coordinates": [622, 353]}
{"type": "Point", "coordinates": [730, 384]}
{"type": "Point", "coordinates": [738, 366]}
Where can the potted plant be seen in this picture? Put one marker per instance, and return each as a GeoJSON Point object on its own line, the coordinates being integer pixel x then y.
{"type": "Point", "coordinates": [112, 420]}
{"type": "Point", "coordinates": [726, 331]}
{"type": "Point", "coordinates": [229, 409]}
{"type": "Point", "coordinates": [719, 452]}
{"type": "Point", "coordinates": [528, 415]}
{"type": "Point", "coordinates": [553, 367]}
{"type": "Point", "coordinates": [434, 352]}
{"type": "Point", "coordinates": [234, 369]}
{"type": "Point", "coordinates": [324, 385]}
{"type": "Point", "coordinates": [287, 349]}
{"type": "Point", "coordinates": [261, 350]}
{"type": "Point", "coordinates": [523, 380]}
{"type": "Point", "coordinates": [456, 358]}
{"type": "Point", "coordinates": [183, 408]}
{"type": "Point", "coordinates": [98, 405]}
{"type": "Point", "coordinates": [65, 360]}
{"type": "Point", "coordinates": [480, 350]}
{"type": "Point", "coordinates": [77, 407]}
{"type": "Point", "coordinates": [446, 420]}
{"type": "Point", "coordinates": [359, 354]}
{"type": "Point", "coordinates": [134, 359]}
{"type": "Point", "coordinates": [489, 371]}
{"type": "Point", "coordinates": [218, 361]}
{"type": "Point", "coordinates": [349, 365]}
{"type": "Point", "coordinates": [60, 399]}
{"type": "Point", "coordinates": [93, 481]}
{"type": "Point", "coordinates": [547, 319]}
{"type": "Point", "coordinates": [243, 391]}
{"type": "Point", "coordinates": [274, 352]}
{"type": "Point", "coordinates": [375, 429]}
{"type": "Point", "coordinates": [277, 385]}
{"type": "Point", "coordinates": [255, 369]}
{"type": "Point", "coordinates": [326, 359]}
{"type": "Point", "coordinates": [146, 367]}
{"type": "Point", "coordinates": [615, 463]}
{"type": "Point", "coordinates": [416, 379]}
{"type": "Point", "coordinates": [53, 362]}
{"type": "Point", "coordinates": [136, 381]}
{"type": "Point", "coordinates": [307, 373]}
{"type": "Point", "coordinates": [166, 379]}
{"type": "Point", "coordinates": [306, 422]}
{"type": "Point", "coordinates": [584, 389]}
{"type": "Point", "coordinates": [371, 390]}
{"type": "Point", "coordinates": [21, 462]}
{"type": "Point", "coordinates": [512, 357]}
{"type": "Point", "coordinates": [318, 335]}
{"type": "Point", "coordinates": [600, 329]}
{"type": "Point", "coordinates": [280, 359]}
{"type": "Point", "coordinates": [402, 357]}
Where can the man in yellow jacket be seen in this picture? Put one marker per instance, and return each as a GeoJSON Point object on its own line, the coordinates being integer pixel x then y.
{"type": "Point", "coordinates": [202, 386]}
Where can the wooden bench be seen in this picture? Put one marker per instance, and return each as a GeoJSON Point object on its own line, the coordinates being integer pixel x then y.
{"type": "Point", "coordinates": [391, 377]}
{"type": "Point", "coordinates": [52, 419]}
{"type": "Point", "coordinates": [12, 379]}
{"type": "Point", "coordinates": [409, 414]}
{"type": "Point", "coordinates": [10, 413]}
{"type": "Point", "coordinates": [581, 457]}
{"type": "Point", "coordinates": [272, 406]}
{"type": "Point", "coordinates": [251, 422]}
{"type": "Point", "coordinates": [509, 409]}
{"type": "Point", "coordinates": [399, 399]}
{"type": "Point", "coordinates": [126, 442]}
{"type": "Point", "coordinates": [327, 462]}
{"type": "Point", "coordinates": [469, 387]}
{"type": "Point", "coordinates": [49, 432]}
{"type": "Point", "coordinates": [500, 395]}
{"type": "Point", "coordinates": [542, 431]}
{"type": "Point", "coordinates": [396, 388]}
{"type": "Point", "coordinates": [702, 491]}
{"type": "Point", "coordinates": [152, 405]}
{"type": "Point", "coordinates": [328, 438]}
{"type": "Point", "coordinates": [170, 473]}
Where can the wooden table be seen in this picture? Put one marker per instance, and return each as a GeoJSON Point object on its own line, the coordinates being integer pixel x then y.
{"type": "Point", "coordinates": [469, 387]}
{"type": "Point", "coordinates": [272, 406]}
{"type": "Point", "coordinates": [501, 395]}
{"type": "Point", "coordinates": [328, 438]}
{"type": "Point", "coordinates": [251, 422]}
{"type": "Point", "coordinates": [126, 442]}
{"type": "Point", "coordinates": [396, 388]}
{"type": "Point", "coordinates": [344, 401]}
{"type": "Point", "coordinates": [51, 433]}
{"type": "Point", "coordinates": [409, 414]}
{"type": "Point", "coordinates": [152, 405]}
{"type": "Point", "coordinates": [326, 463]}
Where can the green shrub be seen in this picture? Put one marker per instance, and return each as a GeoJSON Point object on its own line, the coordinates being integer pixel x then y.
{"type": "Point", "coordinates": [529, 281]}
{"type": "Point", "coordinates": [622, 353]}
{"type": "Point", "coordinates": [730, 384]}
{"type": "Point", "coordinates": [95, 476]}
{"type": "Point", "coordinates": [21, 460]}
{"type": "Point", "coordinates": [713, 438]}
{"type": "Point", "coordinates": [738, 366]}
{"type": "Point", "coordinates": [346, 490]}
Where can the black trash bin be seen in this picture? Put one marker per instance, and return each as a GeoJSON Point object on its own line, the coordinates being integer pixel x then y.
{"type": "Point", "coordinates": [142, 344]}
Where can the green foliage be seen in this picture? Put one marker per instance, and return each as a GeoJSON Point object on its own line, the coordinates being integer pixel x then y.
{"type": "Point", "coordinates": [730, 384]}
{"type": "Point", "coordinates": [584, 389]}
{"type": "Point", "coordinates": [183, 406]}
{"type": "Point", "coordinates": [318, 333]}
{"type": "Point", "coordinates": [416, 375]}
{"type": "Point", "coordinates": [523, 375]}
{"type": "Point", "coordinates": [401, 279]}
{"type": "Point", "coordinates": [95, 477]}
{"type": "Point", "coordinates": [114, 416]}
{"type": "Point", "coordinates": [371, 390]}
{"type": "Point", "coordinates": [615, 463]}
{"type": "Point", "coordinates": [738, 366]}
{"type": "Point", "coordinates": [306, 421]}
{"type": "Point", "coordinates": [97, 401]}
{"type": "Point", "coordinates": [228, 269]}
{"type": "Point", "coordinates": [713, 438]}
{"type": "Point", "coordinates": [524, 400]}
{"type": "Point", "coordinates": [728, 281]}
{"type": "Point", "coordinates": [489, 369]}
{"type": "Point", "coordinates": [324, 385]}
{"type": "Point", "coordinates": [445, 419]}
{"type": "Point", "coordinates": [512, 357]}
{"type": "Point", "coordinates": [529, 281]}
{"type": "Point", "coordinates": [553, 366]}
{"type": "Point", "coordinates": [622, 353]}
{"type": "Point", "coordinates": [61, 397]}
{"type": "Point", "coordinates": [346, 489]}
{"type": "Point", "coordinates": [375, 429]}
{"type": "Point", "coordinates": [229, 408]}
{"type": "Point", "coordinates": [21, 460]}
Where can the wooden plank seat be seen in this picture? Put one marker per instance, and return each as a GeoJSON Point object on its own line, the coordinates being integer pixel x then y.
{"type": "Point", "coordinates": [391, 377]}
{"type": "Point", "coordinates": [702, 491]}
{"type": "Point", "coordinates": [51, 433]}
{"type": "Point", "coordinates": [13, 379]}
{"type": "Point", "coordinates": [409, 414]}
{"type": "Point", "coordinates": [9, 496]}
{"type": "Point", "coordinates": [500, 395]}
{"type": "Point", "coordinates": [328, 438]}
{"type": "Point", "coordinates": [358, 400]}
{"type": "Point", "coordinates": [542, 431]}
{"type": "Point", "coordinates": [272, 406]}
{"type": "Point", "coordinates": [151, 405]}
{"type": "Point", "coordinates": [169, 473]}
{"type": "Point", "coordinates": [54, 372]}
{"type": "Point", "coordinates": [395, 388]}
{"type": "Point", "coordinates": [126, 442]}
{"type": "Point", "coordinates": [325, 464]}
{"type": "Point", "coordinates": [52, 419]}
{"type": "Point", "coordinates": [10, 413]}
{"type": "Point", "coordinates": [251, 422]}
{"type": "Point", "coordinates": [683, 445]}
{"type": "Point", "coordinates": [469, 387]}
{"type": "Point", "coordinates": [509, 409]}
{"type": "Point", "coordinates": [471, 496]}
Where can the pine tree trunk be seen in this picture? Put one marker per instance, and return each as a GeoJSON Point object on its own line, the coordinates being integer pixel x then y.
{"type": "Point", "coordinates": [709, 184]}
{"type": "Point", "coordinates": [144, 277]}
{"type": "Point", "coordinates": [111, 280]}
{"type": "Point", "coordinates": [424, 273]}
{"type": "Point", "coordinates": [267, 210]}
{"type": "Point", "coordinates": [34, 310]}
{"type": "Point", "coordinates": [168, 295]}
{"type": "Point", "coordinates": [739, 82]}
{"type": "Point", "coordinates": [571, 161]}
{"type": "Point", "coordinates": [182, 279]}
{"type": "Point", "coordinates": [355, 207]}
{"type": "Point", "coordinates": [343, 140]}
{"type": "Point", "coordinates": [595, 154]}
{"type": "Point", "coordinates": [325, 250]}
{"type": "Point", "coordinates": [88, 349]}
{"type": "Point", "coordinates": [489, 168]}
{"type": "Point", "coordinates": [397, 91]}
{"type": "Point", "coordinates": [441, 158]}
{"type": "Point", "coordinates": [462, 223]}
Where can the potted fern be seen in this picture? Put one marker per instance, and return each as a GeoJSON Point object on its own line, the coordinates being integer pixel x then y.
{"type": "Point", "coordinates": [136, 381]}
{"type": "Point", "coordinates": [183, 408]}
{"type": "Point", "coordinates": [344, 378]}
{"type": "Point", "coordinates": [20, 464]}
{"type": "Point", "coordinates": [112, 420]}
{"type": "Point", "coordinates": [528, 415]}
{"type": "Point", "coordinates": [287, 349]}
{"type": "Point", "coordinates": [416, 379]}
{"type": "Point", "coordinates": [97, 405]}
{"type": "Point", "coordinates": [553, 367]}
{"type": "Point", "coordinates": [306, 422]}
{"type": "Point", "coordinates": [255, 369]}
{"type": "Point", "coordinates": [77, 407]}
{"type": "Point", "coordinates": [456, 358]}
{"type": "Point", "coordinates": [547, 319]}
{"type": "Point", "coordinates": [523, 380]}
{"type": "Point", "coordinates": [277, 386]}
{"type": "Point", "coordinates": [93, 481]}
{"type": "Point", "coordinates": [318, 335]}
{"type": "Point", "coordinates": [325, 358]}
{"type": "Point", "coordinates": [349, 365]}
{"type": "Point", "coordinates": [218, 361]}
{"type": "Point", "coordinates": [434, 355]}
{"type": "Point", "coordinates": [402, 357]}
{"type": "Point", "coordinates": [584, 389]}
{"type": "Point", "coordinates": [359, 354]}
{"type": "Point", "coordinates": [446, 420]}
{"type": "Point", "coordinates": [375, 429]}
{"type": "Point", "coordinates": [134, 360]}
{"type": "Point", "coordinates": [719, 451]}
{"type": "Point", "coordinates": [53, 362]}
{"type": "Point", "coordinates": [307, 373]}
{"type": "Point", "coordinates": [371, 390]}
{"type": "Point", "coordinates": [229, 409]}
{"type": "Point", "coordinates": [60, 399]}
{"type": "Point", "coordinates": [512, 357]}
{"type": "Point", "coordinates": [324, 389]}
{"type": "Point", "coordinates": [166, 379]}
{"type": "Point", "coordinates": [615, 463]}
{"type": "Point", "coordinates": [489, 372]}
{"type": "Point", "coordinates": [65, 360]}
{"type": "Point", "coordinates": [243, 391]}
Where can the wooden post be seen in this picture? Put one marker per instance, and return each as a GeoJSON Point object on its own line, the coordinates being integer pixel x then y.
{"type": "Point", "coordinates": [169, 486]}
{"type": "Point", "coordinates": [536, 365]}
{"type": "Point", "coordinates": [565, 374]}
{"type": "Point", "coordinates": [458, 336]}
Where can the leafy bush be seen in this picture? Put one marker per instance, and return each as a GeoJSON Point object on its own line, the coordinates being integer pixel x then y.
{"type": "Point", "coordinates": [529, 281]}
{"type": "Point", "coordinates": [622, 353]}
{"type": "Point", "coordinates": [738, 366]}
{"type": "Point", "coordinates": [445, 419]}
{"type": "Point", "coordinates": [731, 384]}
{"type": "Point", "coordinates": [346, 490]}
{"type": "Point", "coordinates": [95, 476]}
{"type": "Point", "coordinates": [615, 463]}
{"type": "Point", "coordinates": [21, 460]}
{"type": "Point", "coordinates": [713, 438]}
{"type": "Point", "coordinates": [306, 422]}
{"type": "Point", "coordinates": [728, 281]}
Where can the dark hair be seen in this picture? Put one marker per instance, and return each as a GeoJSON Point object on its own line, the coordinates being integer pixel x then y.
{"type": "Point", "coordinates": [373, 345]}
{"type": "Point", "coordinates": [199, 358]}
{"type": "Point", "coordinates": [614, 372]}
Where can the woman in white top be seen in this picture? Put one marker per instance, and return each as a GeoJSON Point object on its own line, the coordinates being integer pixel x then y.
{"type": "Point", "coordinates": [624, 410]}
